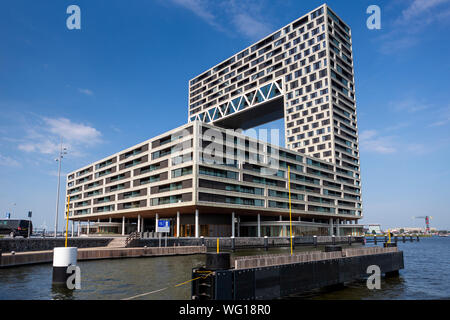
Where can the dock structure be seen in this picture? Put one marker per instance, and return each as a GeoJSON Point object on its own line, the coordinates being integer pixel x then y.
{"type": "Point", "coordinates": [278, 276]}
{"type": "Point", "coordinates": [395, 239]}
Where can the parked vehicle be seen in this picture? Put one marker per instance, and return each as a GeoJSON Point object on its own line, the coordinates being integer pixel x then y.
{"type": "Point", "coordinates": [14, 227]}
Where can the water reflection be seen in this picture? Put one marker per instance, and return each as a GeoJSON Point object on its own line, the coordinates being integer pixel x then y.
{"type": "Point", "coordinates": [60, 292]}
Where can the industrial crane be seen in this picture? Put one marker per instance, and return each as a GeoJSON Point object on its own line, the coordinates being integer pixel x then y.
{"type": "Point", "coordinates": [427, 222]}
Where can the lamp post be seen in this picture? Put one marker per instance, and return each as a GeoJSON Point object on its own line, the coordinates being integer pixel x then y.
{"type": "Point", "coordinates": [11, 210]}
{"type": "Point", "coordinates": [62, 152]}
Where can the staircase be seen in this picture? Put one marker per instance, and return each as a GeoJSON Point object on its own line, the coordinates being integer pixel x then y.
{"type": "Point", "coordinates": [118, 242]}
{"type": "Point", "coordinates": [132, 236]}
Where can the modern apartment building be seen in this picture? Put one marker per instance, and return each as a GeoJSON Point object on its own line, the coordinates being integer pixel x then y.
{"type": "Point", "coordinates": [209, 188]}
{"type": "Point", "coordinates": [303, 73]}
{"type": "Point", "coordinates": [240, 187]}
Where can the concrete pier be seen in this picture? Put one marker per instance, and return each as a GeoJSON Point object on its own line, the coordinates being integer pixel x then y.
{"type": "Point", "coordinates": [277, 276]}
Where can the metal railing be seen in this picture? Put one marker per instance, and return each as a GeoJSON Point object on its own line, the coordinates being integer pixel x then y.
{"type": "Point", "coordinates": [132, 236]}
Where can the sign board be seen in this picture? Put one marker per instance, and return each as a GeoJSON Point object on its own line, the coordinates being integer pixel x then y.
{"type": "Point", "coordinates": [163, 226]}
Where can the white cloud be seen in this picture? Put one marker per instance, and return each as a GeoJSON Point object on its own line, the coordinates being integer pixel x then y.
{"type": "Point", "coordinates": [45, 146]}
{"type": "Point", "coordinates": [242, 16]}
{"type": "Point", "coordinates": [378, 142]}
{"type": "Point", "coordinates": [8, 161]}
{"type": "Point", "coordinates": [371, 141]}
{"type": "Point", "coordinates": [86, 92]}
{"type": "Point", "coordinates": [398, 126]}
{"type": "Point", "coordinates": [444, 118]}
{"type": "Point", "coordinates": [249, 26]}
{"type": "Point", "coordinates": [420, 8]}
{"type": "Point", "coordinates": [410, 105]}
{"type": "Point", "coordinates": [417, 148]}
{"type": "Point", "coordinates": [73, 132]}
{"type": "Point", "coordinates": [414, 19]}
{"type": "Point", "coordinates": [440, 123]}
{"type": "Point", "coordinates": [201, 8]}
{"type": "Point", "coordinates": [45, 136]}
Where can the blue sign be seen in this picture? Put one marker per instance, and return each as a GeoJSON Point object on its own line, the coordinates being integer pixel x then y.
{"type": "Point", "coordinates": [163, 226]}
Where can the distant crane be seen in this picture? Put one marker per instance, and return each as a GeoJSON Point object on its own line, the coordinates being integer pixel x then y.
{"type": "Point", "coordinates": [427, 222]}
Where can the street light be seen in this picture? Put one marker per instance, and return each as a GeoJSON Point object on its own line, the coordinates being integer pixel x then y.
{"type": "Point", "coordinates": [62, 152]}
{"type": "Point", "coordinates": [11, 210]}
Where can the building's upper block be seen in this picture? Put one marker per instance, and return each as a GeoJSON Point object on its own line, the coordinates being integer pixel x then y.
{"type": "Point", "coordinates": [227, 79]}
{"type": "Point", "coordinates": [303, 73]}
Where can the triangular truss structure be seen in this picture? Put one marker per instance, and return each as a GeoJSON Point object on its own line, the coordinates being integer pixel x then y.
{"type": "Point", "coordinates": [245, 101]}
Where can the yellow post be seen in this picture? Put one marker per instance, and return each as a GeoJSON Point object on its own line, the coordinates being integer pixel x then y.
{"type": "Point", "coordinates": [217, 245]}
{"type": "Point", "coordinates": [67, 219]}
{"type": "Point", "coordinates": [290, 211]}
{"type": "Point", "coordinates": [389, 232]}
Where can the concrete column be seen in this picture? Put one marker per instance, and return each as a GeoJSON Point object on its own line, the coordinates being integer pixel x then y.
{"type": "Point", "coordinates": [88, 227]}
{"type": "Point", "coordinates": [78, 228]}
{"type": "Point", "coordinates": [281, 218]}
{"type": "Point", "coordinates": [139, 223]}
{"type": "Point", "coordinates": [196, 224]}
{"type": "Point", "coordinates": [259, 225]}
{"type": "Point", "coordinates": [72, 227]}
{"type": "Point", "coordinates": [178, 224]}
{"type": "Point", "coordinates": [123, 226]}
{"type": "Point", "coordinates": [156, 220]}
{"type": "Point", "coordinates": [239, 227]}
{"type": "Point", "coordinates": [142, 224]}
{"type": "Point", "coordinates": [110, 219]}
{"type": "Point", "coordinates": [232, 224]}
{"type": "Point", "coordinates": [337, 228]}
{"type": "Point", "coordinates": [331, 226]}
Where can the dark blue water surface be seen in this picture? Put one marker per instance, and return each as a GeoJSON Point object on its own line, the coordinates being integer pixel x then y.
{"type": "Point", "coordinates": [426, 276]}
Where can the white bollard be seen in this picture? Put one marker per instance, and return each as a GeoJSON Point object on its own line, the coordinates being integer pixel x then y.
{"type": "Point", "coordinates": [63, 258]}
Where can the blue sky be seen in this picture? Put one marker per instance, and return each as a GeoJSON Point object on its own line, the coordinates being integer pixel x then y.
{"type": "Point", "coordinates": [123, 79]}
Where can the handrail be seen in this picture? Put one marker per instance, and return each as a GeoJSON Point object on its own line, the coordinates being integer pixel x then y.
{"type": "Point", "coordinates": [132, 236]}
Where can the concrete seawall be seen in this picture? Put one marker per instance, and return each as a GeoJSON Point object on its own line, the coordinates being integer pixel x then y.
{"type": "Point", "coordinates": [26, 258]}
{"type": "Point", "coordinates": [43, 244]}
{"type": "Point", "coordinates": [244, 242]}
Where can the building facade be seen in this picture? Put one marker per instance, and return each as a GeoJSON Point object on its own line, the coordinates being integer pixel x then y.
{"type": "Point", "coordinates": [240, 186]}
{"type": "Point", "coordinates": [214, 182]}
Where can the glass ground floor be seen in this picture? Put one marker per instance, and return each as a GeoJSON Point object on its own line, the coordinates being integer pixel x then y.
{"type": "Point", "coordinates": [221, 225]}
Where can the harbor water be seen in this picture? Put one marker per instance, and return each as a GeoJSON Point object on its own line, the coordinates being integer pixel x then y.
{"type": "Point", "coordinates": [426, 276]}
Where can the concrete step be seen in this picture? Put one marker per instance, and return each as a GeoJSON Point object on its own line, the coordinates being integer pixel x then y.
{"type": "Point", "coordinates": [119, 242]}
